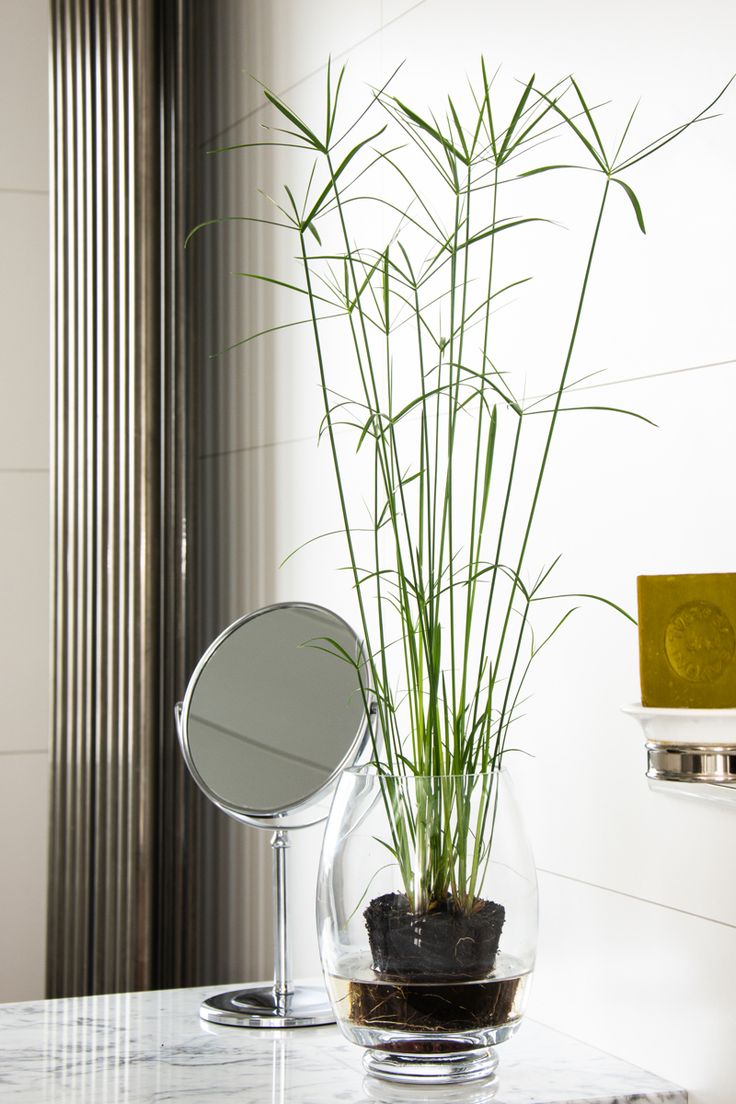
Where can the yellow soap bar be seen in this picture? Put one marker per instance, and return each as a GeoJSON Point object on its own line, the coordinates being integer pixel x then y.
{"type": "Point", "coordinates": [687, 640]}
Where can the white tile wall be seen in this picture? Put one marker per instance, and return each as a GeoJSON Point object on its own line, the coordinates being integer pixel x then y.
{"type": "Point", "coordinates": [24, 296]}
{"type": "Point", "coordinates": [24, 601]}
{"type": "Point", "coordinates": [24, 95]}
{"type": "Point", "coordinates": [637, 951]}
{"type": "Point", "coordinates": [639, 980]}
{"type": "Point", "coordinates": [24, 495]}
{"type": "Point", "coordinates": [24, 782]}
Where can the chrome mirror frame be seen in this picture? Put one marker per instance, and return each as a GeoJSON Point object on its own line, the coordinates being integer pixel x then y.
{"type": "Point", "coordinates": [315, 806]}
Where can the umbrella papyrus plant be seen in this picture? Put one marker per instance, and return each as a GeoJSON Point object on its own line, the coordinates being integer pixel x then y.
{"type": "Point", "coordinates": [410, 240]}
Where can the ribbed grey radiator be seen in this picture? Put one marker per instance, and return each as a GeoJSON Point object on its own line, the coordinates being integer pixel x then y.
{"type": "Point", "coordinates": [127, 830]}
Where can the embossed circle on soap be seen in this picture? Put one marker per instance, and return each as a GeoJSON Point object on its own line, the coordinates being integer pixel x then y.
{"type": "Point", "coordinates": [699, 642]}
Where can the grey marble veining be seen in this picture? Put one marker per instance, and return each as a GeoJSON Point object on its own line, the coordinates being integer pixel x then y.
{"type": "Point", "coordinates": [150, 1048]}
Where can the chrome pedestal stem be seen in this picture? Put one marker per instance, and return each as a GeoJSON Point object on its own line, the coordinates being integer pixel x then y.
{"type": "Point", "coordinates": [285, 1003]}
{"type": "Point", "coordinates": [282, 985]}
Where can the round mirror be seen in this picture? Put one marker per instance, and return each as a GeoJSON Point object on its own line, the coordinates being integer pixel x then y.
{"type": "Point", "coordinates": [273, 712]}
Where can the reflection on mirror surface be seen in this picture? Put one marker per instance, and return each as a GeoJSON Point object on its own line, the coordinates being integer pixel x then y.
{"type": "Point", "coordinates": [274, 710]}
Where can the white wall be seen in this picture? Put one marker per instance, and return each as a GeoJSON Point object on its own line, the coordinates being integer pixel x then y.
{"type": "Point", "coordinates": [638, 943]}
{"type": "Point", "coordinates": [24, 495]}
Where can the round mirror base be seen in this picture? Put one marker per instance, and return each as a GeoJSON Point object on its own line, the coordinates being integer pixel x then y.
{"type": "Point", "coordinates": [259, 1006]}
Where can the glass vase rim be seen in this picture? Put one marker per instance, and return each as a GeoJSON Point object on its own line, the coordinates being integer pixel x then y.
{"type": "Point", "coordinates": [368, 770]}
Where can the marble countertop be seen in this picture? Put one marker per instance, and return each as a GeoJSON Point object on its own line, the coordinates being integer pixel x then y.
{"type": "Point", "coordinates": [133, 1048]}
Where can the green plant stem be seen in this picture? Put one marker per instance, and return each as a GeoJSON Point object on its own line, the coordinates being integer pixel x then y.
{"type": "Point", "coordinates": [385, 463]}
{"type": "Point", "coordinates": [474, 563]}
{"type": "Point", "coordinates": [338, 476]}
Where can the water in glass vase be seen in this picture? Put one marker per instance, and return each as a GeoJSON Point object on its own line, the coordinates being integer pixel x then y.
{"type": "Point", "coordinates": [430, 1016]}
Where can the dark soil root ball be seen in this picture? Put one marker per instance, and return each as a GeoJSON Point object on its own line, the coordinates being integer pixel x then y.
{"type": "Point", "coordinates": [440, 943]}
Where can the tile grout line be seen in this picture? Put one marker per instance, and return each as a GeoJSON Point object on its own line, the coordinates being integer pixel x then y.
{"type": "Point", "coordinates": [572, 390]}
{"type": "Point", "coordinates": [650, 375]}
{"type": "Point", "coordinates": [315, 72]}
{"type": "Point", "coordinates": [635, 897]}
{"type": "Point", "coordinates": [253, 448]}
{"type": "Point", "coordinates": [673, 1087]}
{"type": "Point", "coordinates": [24, 191]}
{"type": "Point", "coordinates": [26, 751]}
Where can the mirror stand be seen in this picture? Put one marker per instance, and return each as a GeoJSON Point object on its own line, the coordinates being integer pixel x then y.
{"type": "Point", "coordinates": [286, 1003]}
{"type": "Point", "coordinates": [266, 726]}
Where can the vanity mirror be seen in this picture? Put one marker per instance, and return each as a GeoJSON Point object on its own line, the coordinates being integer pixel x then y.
{"type": "Point", "coordinates": [271, 715]}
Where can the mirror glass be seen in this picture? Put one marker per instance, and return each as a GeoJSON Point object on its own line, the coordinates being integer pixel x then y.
{"type": "Point", "coordinates": [272, 713]}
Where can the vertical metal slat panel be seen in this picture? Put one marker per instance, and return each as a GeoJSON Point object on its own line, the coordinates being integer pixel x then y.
{"type": "Point", "coordinates": [124, 818]}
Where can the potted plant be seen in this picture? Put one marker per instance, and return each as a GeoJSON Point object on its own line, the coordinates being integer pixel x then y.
{"type": "Point", "coordinates": [410, 232]}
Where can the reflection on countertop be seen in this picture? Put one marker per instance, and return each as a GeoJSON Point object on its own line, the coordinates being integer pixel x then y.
{"type": "Point", "coordinates": [132, 1048]}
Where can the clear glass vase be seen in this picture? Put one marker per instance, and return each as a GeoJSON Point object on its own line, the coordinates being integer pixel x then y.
{"type": "Point", "coordinates": [427, 919]}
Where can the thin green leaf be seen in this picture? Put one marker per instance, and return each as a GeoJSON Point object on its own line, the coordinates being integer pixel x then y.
{"type": "Point", "coordinates": [433, 131]}
{"type": "Point", "coordinates": [606, 409]}
{"type": "Point", "coordinates": [320, 536]}
{"type": "Point", "coordinates": [592, 597]}
{"type": "Point", "coordinates": [335, 103]}
{"type": "Point", "coordinates": [235, 218]}
{"type": "Point", "coordinates": [576, 130]}
{"type": "Point", "coordinates": [626, 131]}
{"type": "Point", "coordinates": [294, 119]}
{"type": "Point", "coordinates": [255, 145]}
{"type": "Point", "coordinates": [336, 649]}
{"type": "Point", "coordinates": [270, 330]}
{"type": "Point", "coordinates": [290, 194]}
{"type": "Point", "coordinates": [490, 448]}
{"type": "Point", "coordinates": [634, 203]}
{"type": "Point", "coordinates": [487, 90]}
{"type": "Point", "coordinates": [386, 866]}
{"type": "Point", "coordinates": [591, 121]}
{"type": "Point", "coordinates": [328, 100]}
{"type": "Point", "coordinates": [313, 231]}
{"type": "Point", "coordinates": [459, 129]}
{"type": "Point", "coordinates": [491, 230]}
{"type": "Point", "coordinates": [338, 172]}
{"type": "Point", "coordinates": [665, 139]}
{"type": "Point", "coordinates": [515, 117]}
{"type": "Point", "coordinates": [549, 168]}
{"type": "Point", "coordinates": [545, 575]}
{"type": "Point", "coordinates": [555, 630]}
{"type": "Point", "coordinates": [283, 284]}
